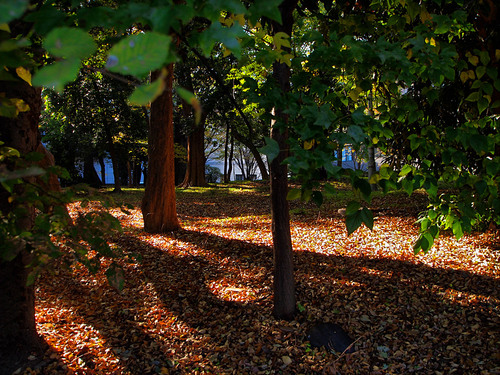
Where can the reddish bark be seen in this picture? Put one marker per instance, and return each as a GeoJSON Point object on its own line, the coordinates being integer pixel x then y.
{"type": "Point", "coordinates": [158, 205]}
{"type": "Point", "coordinates": [195, 171]}
{"type": "Point", "coordinates": [18, 335]}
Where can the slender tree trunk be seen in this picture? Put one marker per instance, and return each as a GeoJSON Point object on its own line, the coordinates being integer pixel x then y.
{"type": "Point", "coordinates": [18, 335]}
{"type": "Point", "coordinates": [90, 175]}
{"type": "Point", "coordinates": [226, 149]}
{"type": "Point", "coordinates": [114, 159]}
{"type": "Point", "coordinates": [103, 170]}
{"type": "Point", "coordinates": [230, 160]}
{"type": "Point", "coordinates": [137, 174]}
{"type": "Point", "coordinates": [284, 285]}
{"type": "Point", "coordinates": [158, 205]}
{"type": "Point", "coordinates": [372, 165]}
{"type": "Point", "coordinates": [195, 170]}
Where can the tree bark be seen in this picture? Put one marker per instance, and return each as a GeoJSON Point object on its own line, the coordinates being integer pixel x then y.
{"type": "Point", "coordinates": [195, 170]}
{"type": "Point", "coordinates": [114, 159]}
{"type": "Point", "coordinates": [284, 284]}
{"type": "Point", "coordinates": [90, 175]}
{"type": "Point", "coordinates": [158, 205]}
{"type": "Point", "coordinates": [18, 335]}
{"type": "Point", "coordinates": [226, 148]}
{"type": "Point", "coordinates": [103, 170]}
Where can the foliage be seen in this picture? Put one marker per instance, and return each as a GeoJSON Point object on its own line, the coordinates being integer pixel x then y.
{"type": "Point", "coordinates": [382, 76]}
{"type": "Point", "coordinates": [212, 174]}
{"type": "Point", "coordinates": [54, 234]}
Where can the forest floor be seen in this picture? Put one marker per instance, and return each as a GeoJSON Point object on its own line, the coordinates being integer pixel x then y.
{"type": "Point", "coordinates": [200, 300]}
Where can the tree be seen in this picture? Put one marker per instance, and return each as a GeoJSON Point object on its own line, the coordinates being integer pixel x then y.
{"type": "Point", "coordinates": [17, 317]}
{"type": "Point", "coordinates": [158, 205]}
{"type": "Point", "coordinates": [283, 283]}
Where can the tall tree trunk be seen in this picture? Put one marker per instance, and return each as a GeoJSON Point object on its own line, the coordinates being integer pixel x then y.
{"type": "Point", "coordinates": [195, 170]}
{"type": "Point", "coordinates": [158, 205]}
{"type": "Point", "coordinates": [284, 285]}
{"type": "Point", "coordinates": [230, 160]}
{"type": "Point", "coordinates": [226, 148]}
{"type": "Point", "coordinates": [103, 170]}
{"type": "Point", "coordinates": [136, 174]}
{"type": "Point", "coordinates": [114, 159]}
{"type": "Point", "coordinates": [90, 175]}
{"type": "Point", "coordinates": [18, 336]}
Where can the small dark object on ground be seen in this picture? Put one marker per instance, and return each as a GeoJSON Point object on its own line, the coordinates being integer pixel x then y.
{"type": "Point", "coordinates": [331, 336]}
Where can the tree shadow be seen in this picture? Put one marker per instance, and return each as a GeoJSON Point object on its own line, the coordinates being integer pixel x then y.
{"type": "Point", "coordinates": [177, 309]}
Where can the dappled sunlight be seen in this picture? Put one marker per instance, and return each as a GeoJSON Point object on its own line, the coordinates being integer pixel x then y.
{"type": "Point", "coordinates": [200, 298]}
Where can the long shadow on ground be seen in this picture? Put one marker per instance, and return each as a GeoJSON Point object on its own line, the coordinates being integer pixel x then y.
{"type": "Point", "coordinates": [174, 312]}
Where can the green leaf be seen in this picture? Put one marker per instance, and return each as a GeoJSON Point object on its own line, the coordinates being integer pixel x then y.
{"type": "Point", "coordinates": [228, 36]}
{"type": "Point", "coordinates": [267, 8]}
{"type": "Point", "coordinates": [479, 142]}
{"type": "Point", "coordinates": [12, 9]}
{"type": "Point", "coordinates": [356, 133]}
{"type": "Point", "coordinates": [57, 75]}
{"type": "Point", "coordinates": [424, 243]}
{"type": "Point", "coordinates": [363, 186]}
{"type": "Point", "coordinates": [147, 93]}
{"type": "Point", "coordinates": [353, 221]}
{"type": "Point", "coordinates": [405, 170]}
{"type": "Point", "coordinates": [271, 149]}
{"type": "Point", "coordinates": [482, 104]}
{"type": "Point", "coordinates": [139, 54]}
{"type": "Point", "coordinates": [293, 194]}
{"type": "Point", "coordinates": [115, 276]}
{"type": "Point", "coordinates": [317, 198]}
{"type": "Point", "coordinates": [473, 97]}
{"type": "Point", "coordinates": [69, 42]}
{"type": "Point", "coordinates": [352, 207]}
{"type": "Point", "coordinates": [367, 217]}
{"type": "Point", "coordinates": [480, 71]}
{"type": "Point", "coordinates": [457, 230]}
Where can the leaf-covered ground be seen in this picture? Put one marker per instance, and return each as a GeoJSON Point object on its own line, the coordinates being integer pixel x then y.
{"type": "Point", "coordinates": [200, 300]}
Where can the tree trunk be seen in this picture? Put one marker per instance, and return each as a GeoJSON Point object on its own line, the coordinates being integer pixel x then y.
{"type": "Point", "coordinates": [284, 285]}
{"type": "Point", "coordinates": [137, 171]}
{"type": "Point", "coordinates": [103, 170]}
{"type": "Point", "coordinates": [372, 166]}
{"type": "Point", "coordinates": [195, 170]}
{"type": "Point", "coordinates": [114, 159]}
{"type": "Point", "coordinates": [90, 175]}
{"type": "Point", "coordinates": [158, 205]}
{"type": "Point", "coordinates": [18, 336]}
{"type": "Point", "coordinates": [226, 148]}
{"type": "Point", "coordinates": [230, 160]}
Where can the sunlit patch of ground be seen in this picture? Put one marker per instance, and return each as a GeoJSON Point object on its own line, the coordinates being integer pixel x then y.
{"type": "Point", "coordinates": [200, 300]}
